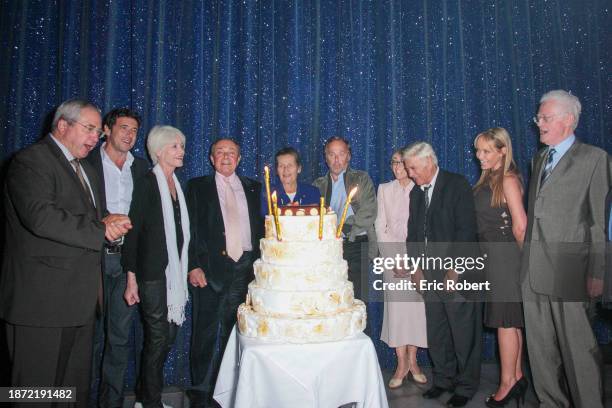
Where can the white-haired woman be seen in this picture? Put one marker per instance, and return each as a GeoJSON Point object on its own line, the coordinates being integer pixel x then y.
{"type": "Point", "coordinates": [155, 257]}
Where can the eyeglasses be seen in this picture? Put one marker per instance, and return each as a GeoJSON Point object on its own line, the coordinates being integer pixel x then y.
{"type": "Point", "coordinates": [396, 163]}
{"type": "Point", "coordinates": [546, 119]}
{"type": "Point", "coordinates": [91, 129]}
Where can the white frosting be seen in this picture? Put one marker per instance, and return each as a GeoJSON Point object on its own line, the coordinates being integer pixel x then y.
{"type": "Point", "coordinates": [297, 277]}
{"type": "Point", "coordinates": [300, 252]}
{"type": "Point", "coordinates": [302, 228]}
{"type": "Point", "coordinates": [301, 293]}
{"type": "Point", "coordinates": [301, 303]}
{"type": "Point", "coordinates": [312, 329]}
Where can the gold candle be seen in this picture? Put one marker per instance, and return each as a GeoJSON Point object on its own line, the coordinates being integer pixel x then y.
{"type": "Point", "coordinates": [321, 209]}
{"type": "Point", "coordinates": [267, 178]}
{"type": "Point", "coordinates": [346, 205]}
{"type": "Point", "coordinates": [276, 213]}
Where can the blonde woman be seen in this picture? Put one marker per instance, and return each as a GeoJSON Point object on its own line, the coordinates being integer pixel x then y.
{"type": "Point", "coordinates": [404, 314]}
{"type": "Point", "coordinates": [501, 218]}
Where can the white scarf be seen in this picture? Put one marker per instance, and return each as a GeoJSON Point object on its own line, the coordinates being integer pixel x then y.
{"type": "Point", "coordinates": [176, 270]}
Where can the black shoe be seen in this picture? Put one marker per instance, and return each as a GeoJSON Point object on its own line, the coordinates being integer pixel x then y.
{"type": "Point", "coordinates": [524, 384]}
{"type": "Point", "coordinates": [457, 401]}
{"type": "Point", "coordinates": [517, 392]}
{"type": "Point", "coordinates": [434, 392]}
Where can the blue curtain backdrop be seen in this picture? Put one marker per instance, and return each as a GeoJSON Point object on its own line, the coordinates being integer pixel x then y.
{"type": "Point", "coordinates": [382, 73]}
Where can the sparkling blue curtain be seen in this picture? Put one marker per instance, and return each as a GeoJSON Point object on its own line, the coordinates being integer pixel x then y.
{"type": "Point", "coordinates": [382, 73]}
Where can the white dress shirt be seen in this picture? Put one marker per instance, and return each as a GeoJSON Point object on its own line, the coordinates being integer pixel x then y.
{"type": "Point", "coordinates": [432, 183]}
{"type": "Point", "coordinates": [118, 183]}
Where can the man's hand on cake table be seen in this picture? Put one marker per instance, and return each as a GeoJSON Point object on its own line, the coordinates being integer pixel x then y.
{"type": "Point", "coordinates": [131, 289]}
{"type": "Point", "coordinates": [117, 225]}
{"type": "Point", "coordinates": [197, 278]}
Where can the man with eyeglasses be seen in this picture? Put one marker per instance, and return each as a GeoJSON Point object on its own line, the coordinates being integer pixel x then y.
{"type": "Point", "coordinates": [55, 231]}
{"type": "Point", "coordinates": [118, 171]}
{"type": "Point", "coordinates": [563, 263]}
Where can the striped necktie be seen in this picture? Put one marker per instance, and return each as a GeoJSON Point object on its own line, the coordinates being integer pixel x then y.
{"type": "Point", "coordinates": [548, 168]}
{"type": "Point", "coordinates": [426, 191]}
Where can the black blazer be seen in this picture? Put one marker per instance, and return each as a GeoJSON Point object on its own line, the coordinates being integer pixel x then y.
{"type": "Point", "coordinates": [607, 295]}
{"type": "Point", "coordinates": [139, 168]}
{"type": "Point", "coordinates": [144, 249]}
{"type": "Point", "coordinates": [451, 218]}
{"type": "Point", "coordinates": [207, 246]}
{"type": "Point", "coordinates": [51, 266]}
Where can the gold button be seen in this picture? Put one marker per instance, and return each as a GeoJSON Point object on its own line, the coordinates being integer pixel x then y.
{"type": "Point", "coordinates": [223, 253]}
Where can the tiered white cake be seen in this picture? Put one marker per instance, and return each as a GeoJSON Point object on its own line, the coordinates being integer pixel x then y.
{"type": "Point", "coordinates": [301, 293]}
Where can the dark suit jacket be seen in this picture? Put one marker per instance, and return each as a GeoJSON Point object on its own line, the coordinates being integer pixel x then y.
{"type": "Point", "coordinates": [207, 246]}
{"type": "Point", "coordinates": [139, 168]}
{"type": "Point", "coordinates": [607, 295]}
{"type": "Point", "coordinates": [144, 249]}
{"type": "Point", "coordinates": [51, 267]}
{"type": "Point", "coordinates": [565, 223]}
{"type": "Point", "coordinates": [451, 219]}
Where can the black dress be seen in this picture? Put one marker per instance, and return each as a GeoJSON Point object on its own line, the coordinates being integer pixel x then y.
{"type": "Point", "coordinates": [503, 307]}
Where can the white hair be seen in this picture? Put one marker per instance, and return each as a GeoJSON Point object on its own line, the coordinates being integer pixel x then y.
{"type": "Point", "coordinates": [159, 137]}
{"type": "Point", "coordinates": [421, 150]}
{"type": "Point", "coordinates": [570, 103]}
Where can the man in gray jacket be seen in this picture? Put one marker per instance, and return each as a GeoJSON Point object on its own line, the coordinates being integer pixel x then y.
{"type": "Point", "coordinates": [564, 257]}
{"type": "Point", "coordinates": [358, 229]}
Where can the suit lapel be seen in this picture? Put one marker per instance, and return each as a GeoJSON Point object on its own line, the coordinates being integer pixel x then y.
{"type": "Point", "coordinates": [71, 173]}
{"type": "Point", "coordinates": [93, 181]}
{"type": "Point", "coordinates": [96, 162]}
{"type": "Point", "coordinates": [328, 190]}
{"type": "Point", "coordinates": [251, 198]}
{"type": "Point", "coordinates": [214, 202]}
{"type": "Point", "coordinates": [347, 181]}
{"type": "Point", "coordinates": [561, 168]}
{"type": "Point", "coordinates": [538, 169]}
{"type": "Point", "coordinates": [437, 191]}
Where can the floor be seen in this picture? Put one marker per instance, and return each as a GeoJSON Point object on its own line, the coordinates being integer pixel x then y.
{"type": "Point", "coordinates": [409, 394]}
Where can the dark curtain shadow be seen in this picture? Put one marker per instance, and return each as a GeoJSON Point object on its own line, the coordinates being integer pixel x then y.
{"type": "Point", "coordinates": [5, 372]}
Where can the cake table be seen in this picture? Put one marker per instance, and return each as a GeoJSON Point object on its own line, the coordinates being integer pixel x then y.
{"type": "Point", "coordinates": [256, 374]}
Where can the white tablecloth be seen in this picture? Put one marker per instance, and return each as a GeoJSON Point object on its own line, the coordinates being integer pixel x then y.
{"type": "Point", "coordinates": [257, 374]}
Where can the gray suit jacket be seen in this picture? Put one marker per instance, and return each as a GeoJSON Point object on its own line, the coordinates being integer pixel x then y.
{"type": "Point", "coordinates": [565, 223]}
{"type": "Point", "coordinates": [363, 204]}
